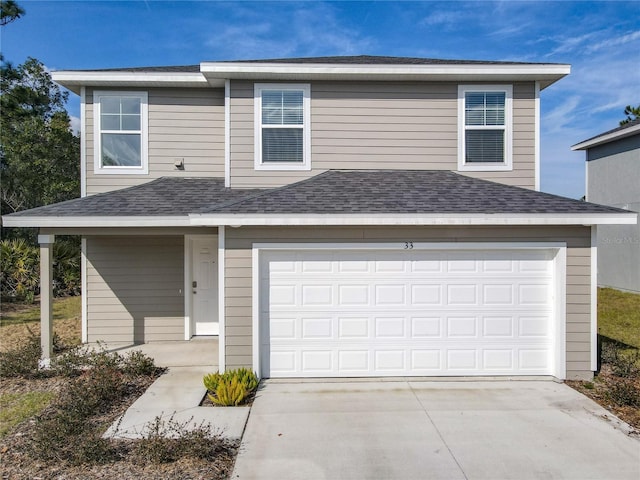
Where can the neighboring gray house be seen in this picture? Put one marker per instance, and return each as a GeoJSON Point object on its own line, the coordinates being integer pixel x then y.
{"type": "Point", "coordinates": [330, 217]}
{"type": "Point", "coordinates": [613, 178]}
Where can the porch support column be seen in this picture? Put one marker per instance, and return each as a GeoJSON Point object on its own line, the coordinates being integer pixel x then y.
{"type": "Point", "coordinates": [46, 297]}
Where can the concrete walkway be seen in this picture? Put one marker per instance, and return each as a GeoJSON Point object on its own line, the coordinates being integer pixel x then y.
{"type": "Point", "coordinates": [433, 430]}
{"type": "Point", "coordinates": [179, 391]}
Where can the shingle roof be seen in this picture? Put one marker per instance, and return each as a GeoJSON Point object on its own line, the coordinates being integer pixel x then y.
{"type": "Point", "coordinates": [333, 192]}
{"type": "Point", "coordinates": [380, 60]}
{"type": "Point", "coordinates": [338, 60]}
{"type": "Point", "coordinates": [403, 192]}
{"type": "Point", "coordinates": [621, 128]}
{"type": "Point", "coordinates": [166, 196]}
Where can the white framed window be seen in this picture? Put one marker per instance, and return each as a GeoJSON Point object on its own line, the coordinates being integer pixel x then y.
{"type": "Point", "coordinates": [120, 132]}
{"type": "Point", "coordinates": [485, 127]}
{"type": "Point", "coordinates": [282, 126]}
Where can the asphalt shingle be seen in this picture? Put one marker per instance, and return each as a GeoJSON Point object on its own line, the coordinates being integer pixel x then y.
{"type": "Point", "coordinates": [331, 192]}
{"type": "Point", "coordinates": [166, 196]}
{"type": "Point", "coordinates": [403, 192]}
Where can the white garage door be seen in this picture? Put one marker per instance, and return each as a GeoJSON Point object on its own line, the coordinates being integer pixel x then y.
{"type": "Point", "coordinates": [406, 313]}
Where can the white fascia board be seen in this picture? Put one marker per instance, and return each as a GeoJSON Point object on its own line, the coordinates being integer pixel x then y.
{"type": "Point", "coordinates": [150, 221]}
{"type": "Point", "coordinates": [609, 137]}
{"type": "Point", "coordinates": [73, 80]}
{"type": "Point", "coordinates": [435, 219]}
{"type": "Point", "coordinates": [545, 73]}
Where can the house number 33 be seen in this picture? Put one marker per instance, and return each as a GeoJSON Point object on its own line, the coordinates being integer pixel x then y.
{"type": "Point", "coordinates": [408, 245]}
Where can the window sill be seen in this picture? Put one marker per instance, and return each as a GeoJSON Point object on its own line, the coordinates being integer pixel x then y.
{"type": "Point", "coordinates": [283, 167]}
{"type": "Point", "coordinates": [485, 167]}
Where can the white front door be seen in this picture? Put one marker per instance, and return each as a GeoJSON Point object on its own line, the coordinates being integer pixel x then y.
{"type": "Point", "coordinates": [204, 285]}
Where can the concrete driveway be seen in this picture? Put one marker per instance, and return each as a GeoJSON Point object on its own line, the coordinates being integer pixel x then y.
{"type": "Point", "coordinates": [433, 430]}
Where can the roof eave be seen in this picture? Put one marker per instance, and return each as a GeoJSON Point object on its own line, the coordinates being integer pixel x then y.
{"type": "Point", "coordinates": [606, 138]}
{"type": "Point", "coordinates": [546, 74]}
{"type": "Point", "coordinates": [238, 220]}
{"type": "Point", "coordinates": [95, 221]}
{"type": "Point", "coordinates": [75, 80]}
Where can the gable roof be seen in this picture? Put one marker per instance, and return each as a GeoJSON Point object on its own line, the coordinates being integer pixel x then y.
{"type": "Point", "coordinates": [618, 133]}
{"type": "Point", "coordinates": [358, 67]}
{"type": "Point", "coordinates": [402, 192]}
{"type": "Point", "coordinates": [337, 197]}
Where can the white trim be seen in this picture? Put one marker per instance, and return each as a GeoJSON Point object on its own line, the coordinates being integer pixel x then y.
{"type": "Point", "coordinates": [559, 250]}
{"type": "Point", "coordinates": [46, 239]}
{"type": "Point", "coordinates": [594, 298]}
{"type": "Point", "coordinates": [74, 79]}
{"type": "Point", "coordinates": [255, 306]}
{"type": "Point", "coordinates": [84, 297]}
{"type": "Point", "coordinates": [222, 351]}
{"type": "Point", "coordinates": [188, 332]}
{"type": "Point", "coordinates": [132, 221]}
{"type": "Point", "coordinates": [547, 74]}
{"type": "Point", "coordinates": [258, 127]}
{"type": "Point", "coordinates": [143, 169]}
{"type": "Point", "coordinates": [227, 133]}
{"type": "Point", "coordinates": [607, 137]}
{"type": "Point", "coordinates": [198, 220]}
{"type": "Point", "coordinates": [83, 142]}
{"type": "Point", "coordinates": [537, 137]}
{"type": "Point", "coordinates": [507, 165]}
{"type": "Point", "coordinates": [560, 311]}
{"type": "Point", "coordinates": [400, 245]}
{"type": "Point", "coordinates": [412, 219]}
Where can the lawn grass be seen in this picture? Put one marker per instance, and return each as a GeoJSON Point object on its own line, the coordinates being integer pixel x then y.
{"type": "Point", "coordinates": [619, 316]}
{"type": "Point", "coordinates": [17, 407]}
{"type": "Point", "coordinates": [18, 322]}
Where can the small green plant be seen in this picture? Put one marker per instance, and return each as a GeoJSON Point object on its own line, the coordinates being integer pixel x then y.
{"type": "Point", "coordinates": [231, 387]}
{"type": "Point", "coordinates": [589, 385]}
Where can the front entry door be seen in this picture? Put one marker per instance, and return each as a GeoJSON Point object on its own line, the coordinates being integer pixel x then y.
{"type": "Point", "coordinates": [204, 285]}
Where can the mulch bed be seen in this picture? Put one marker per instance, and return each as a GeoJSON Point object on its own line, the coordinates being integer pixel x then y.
{"type": "Point", "coordinates": [17, 462]}
{"type": "Point", "coordinates": [599, 392]}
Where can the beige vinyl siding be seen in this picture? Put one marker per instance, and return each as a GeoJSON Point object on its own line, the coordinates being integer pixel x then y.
{"type": "Point", "coordinates": [134, 288]}
{"type": "Point", "coordinates": [238, 271]}
{"type": "Point", "coordinates": [397, 125]}
{"type": "Point", "coordinates": [184, 123]}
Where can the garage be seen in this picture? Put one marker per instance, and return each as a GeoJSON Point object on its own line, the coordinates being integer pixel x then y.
{"type": "Point", "coordinates": [409, 310]}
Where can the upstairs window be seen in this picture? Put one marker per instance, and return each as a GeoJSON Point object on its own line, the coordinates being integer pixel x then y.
{"type": "Point", "coordinates": [120, 132]}
{"type": "Point", "coordinates": [282, 133]}
{"type": "Point", "coordinates": [484, 127]}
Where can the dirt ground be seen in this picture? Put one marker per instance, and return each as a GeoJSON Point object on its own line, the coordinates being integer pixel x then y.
{"type": "Point", "coordinates": [600, 391]}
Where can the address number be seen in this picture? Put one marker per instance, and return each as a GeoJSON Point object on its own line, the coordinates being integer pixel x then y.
{"type": "Point", "coordinates": [408, 245]}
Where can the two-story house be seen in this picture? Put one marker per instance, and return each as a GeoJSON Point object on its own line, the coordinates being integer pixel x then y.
{"type": "Point", "coordinates": [334, 216]}
{"type": "Point", "coordinates": [613, 178]}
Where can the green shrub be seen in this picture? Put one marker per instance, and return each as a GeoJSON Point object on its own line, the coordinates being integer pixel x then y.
{"type": "Point", "coordinates": [623, 362]}
{"type": "Point", "coordinates": [22, 361]}
{"type": "Point", "coordinates": [231, 387]}
{"type": "Point", "coordinates": [65, 433]}
{"type": "Point", "coordinates": [166, 441]}
{"type": "Point", "coordinates": [19, 269]}
{"type": "Point", "coordinates": [137, 363]}
{"type": "Point", "coordinates": [624, 392]}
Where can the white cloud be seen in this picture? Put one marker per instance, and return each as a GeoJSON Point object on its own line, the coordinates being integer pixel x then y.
{"type": "Point", "coordinates": [75, 124]}
{"type": "Point", "coordinates": [614, 42]}
{"type": "Point", "coordinates": [313, 29]}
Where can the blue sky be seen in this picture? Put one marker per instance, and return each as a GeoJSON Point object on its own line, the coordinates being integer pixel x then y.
{"type": "Point", "coordinates": [601, 40]}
